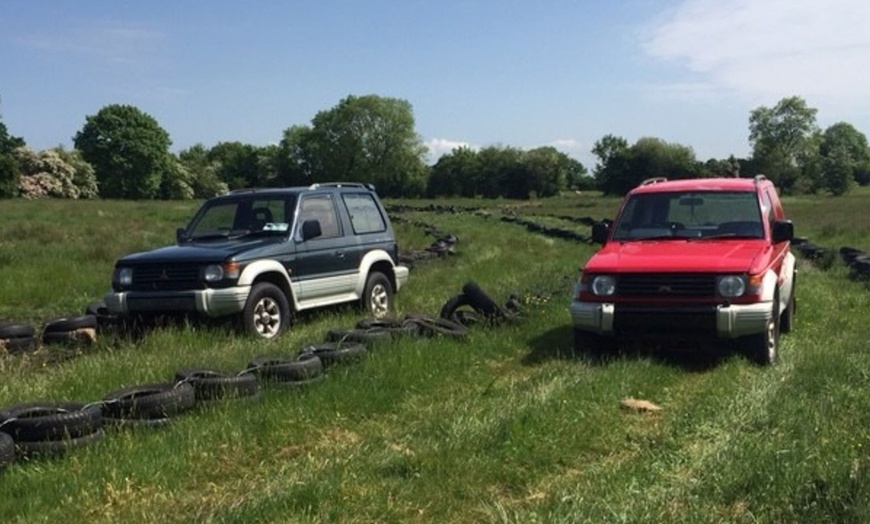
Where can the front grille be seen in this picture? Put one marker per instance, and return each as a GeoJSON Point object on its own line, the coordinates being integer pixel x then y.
{"type": "Point", "coordinates": [666, 285]}
{"type": "Point", "coordinates": [166, 277]}
{"type": "Point", "coordinates": [647, 321]}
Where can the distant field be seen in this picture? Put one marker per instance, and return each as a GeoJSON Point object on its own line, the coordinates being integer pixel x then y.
{"type": "Point", "coordinates": [506, 426]}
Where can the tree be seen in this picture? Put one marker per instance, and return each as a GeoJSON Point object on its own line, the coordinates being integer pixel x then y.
{"type": "Point", "coordinates": [621, 168]}
{"type": "Point", "coordinates": [204, 181]}
{"type": "Point", "coordinates": [129, 151]}
{"type": "Point", "coordinates": [782, 140]}
{"type": "Point", "coordinates": [839, 168]}
{"type": "Point", "coordinates": [55, 173]}
{"type": "Point", "coordinates": [362, 139]}
{"type": "Point", "coordinates": [453, 174]}
{"type": "Point", "coordinates": [549, 170]}
{"type": "Point", "coordinates": [9, 171]}
{"type": "Point", "coordinates": [850, 146]}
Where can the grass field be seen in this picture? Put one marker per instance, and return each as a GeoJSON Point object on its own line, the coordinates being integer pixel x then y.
{"type": "Point", "coordinates": [506, 426]}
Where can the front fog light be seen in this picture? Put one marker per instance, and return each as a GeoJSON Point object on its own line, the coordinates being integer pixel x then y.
{"type": "Point", "coordinates": [213, 273]}
{"type": "Point", "coordinates": [731, 286]}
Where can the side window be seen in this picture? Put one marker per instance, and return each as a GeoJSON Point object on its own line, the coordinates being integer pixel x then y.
{"type": "Point", "coordinates": [365, 217]}
{"type": "Point", "coordinates": [767, 209]}
{"type": "Point", "coordinates": [321, 208]}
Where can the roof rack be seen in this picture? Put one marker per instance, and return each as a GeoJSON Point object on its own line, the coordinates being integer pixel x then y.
{"type": "Point", "coordinates": [342, 184]}
{"type": "Point", "coordinates": [654, 180]}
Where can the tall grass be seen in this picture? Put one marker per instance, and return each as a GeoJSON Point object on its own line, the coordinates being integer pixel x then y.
{"type": "Point", "coordinates": [506, 426]}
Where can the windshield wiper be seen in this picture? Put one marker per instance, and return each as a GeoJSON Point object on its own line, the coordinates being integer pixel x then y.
{"type": "Point", "coordinates": [728, 235]}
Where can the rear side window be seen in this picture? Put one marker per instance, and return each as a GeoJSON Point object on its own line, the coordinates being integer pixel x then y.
{"type": "Point", "coordinates": [320, 208]}
{"type": "Point", "coordinates": [365, 216]}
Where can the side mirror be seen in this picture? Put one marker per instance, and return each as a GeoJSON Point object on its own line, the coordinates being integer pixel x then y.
{"type": "Point", "coordinates": [783, 231]}
{"type": "Point", "coordinates": [600, 232]}
{"type": "Point", "coordinates": [181, 235]}
{"type": "Point", "coordinates": [311, 229]}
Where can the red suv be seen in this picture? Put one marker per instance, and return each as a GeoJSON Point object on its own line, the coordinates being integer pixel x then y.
{"type": "Point", "coordinates": [698, 259]}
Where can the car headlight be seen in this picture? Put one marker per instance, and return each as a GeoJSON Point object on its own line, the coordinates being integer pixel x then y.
{"type": "Point", "coordinates": [731, 286]}
{"type": "Point", "coordinates": [124, 276]}
{"type": "Point", "coordinates": [213, 273]}
{"type": "Point", "coordinates": [603, 285]}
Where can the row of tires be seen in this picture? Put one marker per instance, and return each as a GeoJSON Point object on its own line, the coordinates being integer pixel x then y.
{"type": "Point", "coordinates": [16, 337]}
{"type": "Point", "coordinates": [37, 429]}
{"type": "Point", "coordinates": [856, 259]}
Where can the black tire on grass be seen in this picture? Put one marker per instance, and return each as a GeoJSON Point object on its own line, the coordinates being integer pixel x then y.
{"type": "Point", "coordinates": [78, 337]}
{"type": "Point", "coordinates": [210, 385]}
{"type": "Point", "coordinates": [441, 326]}
{"type": "Point", "coordinates": [481, 301]}
{"type": "Point", "coordinates": [453, 303]}
{"type": "Point", "coordinates": [7, 450]}
{"type": "Point", "coordinates": [362, 336]}
{"type": "Point", "coordinates": [149, 401]}
{"type": "Point", "coordinates": [337, 353]}
{"type": "Point", "coordinates": [13, 330]}
{"type": "Point", "coordinates": [53, 448]}
{"type": "Point", "coordinates": [299, 368]}
{"type": "Point", "coordinates": [67, 324]}
{"type": "Point", "coordinates": [37, 421]}
{"type": "Point", "coordinates": [19, 345]}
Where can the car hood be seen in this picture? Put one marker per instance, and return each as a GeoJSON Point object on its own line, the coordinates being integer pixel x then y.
{"type": "Point", "coordinates": [672, 256]}
{"type": "Point", "coordinates": [198, 251]}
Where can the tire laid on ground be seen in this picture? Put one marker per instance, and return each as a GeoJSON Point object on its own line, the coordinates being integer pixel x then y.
{"type": "Point", "coordinates": [39, 421]}
{"type": "Point", "coordinates": [481, 301]}
{"type": "Point", "coordinates": [440, 326]}
{"type": "Point", "coordinates": [334, 353]}
{"type": "Point", "coordinates": [77, 337]}
{"type": "Point", "coordinates": [453, 303]}
{"type": "Point", "coordinates": [267, 311]}
{"type": "Point", "coordinates": [211, 385]}
{"type": "Point", "coordinates": [57, 447]}
{"type": "Point", "coordinates": [378, 295]}
{"type": "Point", "coordinates": [763, 348]}
{"type": "Point", "coordinates": [149, 401]}
{"type": "Point", "coordinates": [302, 368]}
{"type": "Point", "coordinates": [7, 450]}
{"type": "Point", "coordinates": [395, 325]}
{"type": "Point", "coordinates": [67, 324]}
{"type": "Point", "coordinates": [19, 344]}
{"type": "Point", "coordinates": [9, 330]}
{"type": "Point", "coordinates": [362, 336]}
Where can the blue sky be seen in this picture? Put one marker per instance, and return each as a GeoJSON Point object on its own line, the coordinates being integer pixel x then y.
{"type": "Point", "coordinates": [477, 72]}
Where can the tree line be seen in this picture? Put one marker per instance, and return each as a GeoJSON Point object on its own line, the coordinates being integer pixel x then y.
{"type": "Point", "coordinates": [122, 152]}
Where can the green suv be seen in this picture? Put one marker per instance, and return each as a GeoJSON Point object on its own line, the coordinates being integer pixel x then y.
{"type": "Point", "coordinates": [264, 254]}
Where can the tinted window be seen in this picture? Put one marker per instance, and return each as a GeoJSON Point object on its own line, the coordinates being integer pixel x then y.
{"type": "Point", "coordinates": [321, 208]}
{"type": "Point", "coordinates": [364, 213]}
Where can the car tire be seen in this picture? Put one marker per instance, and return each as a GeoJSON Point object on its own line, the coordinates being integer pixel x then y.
{"type": "Point", "coordinates": [763, 348]}
{"type": "Point", "coordinates": [431, 327]}
{"type": "Point", "coordinates": [68, 324]}
{"type": "Point", "coordinates": [38, 421]}
{"type": "Point", "coordinates": [378, 295]}
{"type": "Point", "coordinates": [10, 330]}
{"type": "Point", "coordinates": [18, 344]}
{"type": "Point", "coordinates": [52, 448]}
{"type": "Point", "coordinates": [336, 353]}
{"type": "Point", "coordinates": [481, 301]}
{"type": "Point", "coordinates": [7, 450]}
{"type": "Point", "coordinates": [267, 311]}
{"type": "Point", "coordinates": [786, 321]}
{"type": "Point", "coordinates": [211, 385]}
{"type": "Point", "coordinates": [149, 401]}
{"type": "Point", "coordinates": [303, 367]}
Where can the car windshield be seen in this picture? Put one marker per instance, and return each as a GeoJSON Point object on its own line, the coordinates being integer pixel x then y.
{"type": "Point", "coordinates": [238, 217]}
{"type": "Point", "coordinates": [690, 215]}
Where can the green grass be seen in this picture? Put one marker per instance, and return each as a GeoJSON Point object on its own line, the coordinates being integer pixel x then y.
{"type": "Point", "coordinates": [506, 426]}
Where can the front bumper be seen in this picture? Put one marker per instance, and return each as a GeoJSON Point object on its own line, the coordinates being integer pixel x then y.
{"type": "Point", "coordinates": [401, 273]}
{"type": "Point", "coordinates": [719, 321]}
{"type": "Point", "coordinates": [210, 302]}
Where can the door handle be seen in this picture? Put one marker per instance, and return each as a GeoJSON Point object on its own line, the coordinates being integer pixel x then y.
{"type": "Point", "coordinates": [339, 254]}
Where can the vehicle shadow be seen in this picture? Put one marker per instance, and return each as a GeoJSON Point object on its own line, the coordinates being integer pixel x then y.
{"type": "Point", "coordinates": [558, 344]}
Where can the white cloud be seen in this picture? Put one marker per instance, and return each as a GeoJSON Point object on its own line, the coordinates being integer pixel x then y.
{"type": "Point", "coordinates": [105, 41]}
{"type": "Point", "coordinates": [816, 49]}
{"type": "Point", "coordinates": [439, 147]}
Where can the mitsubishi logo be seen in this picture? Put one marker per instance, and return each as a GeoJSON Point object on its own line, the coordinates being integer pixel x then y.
{"type": "Point", "coordinates": [665, 289]}
{"type": "Point", "coordinates": [163, 275]}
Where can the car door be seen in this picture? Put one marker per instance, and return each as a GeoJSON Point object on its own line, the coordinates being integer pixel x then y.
{"type": "Point", "coordinates": [325, 266]}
